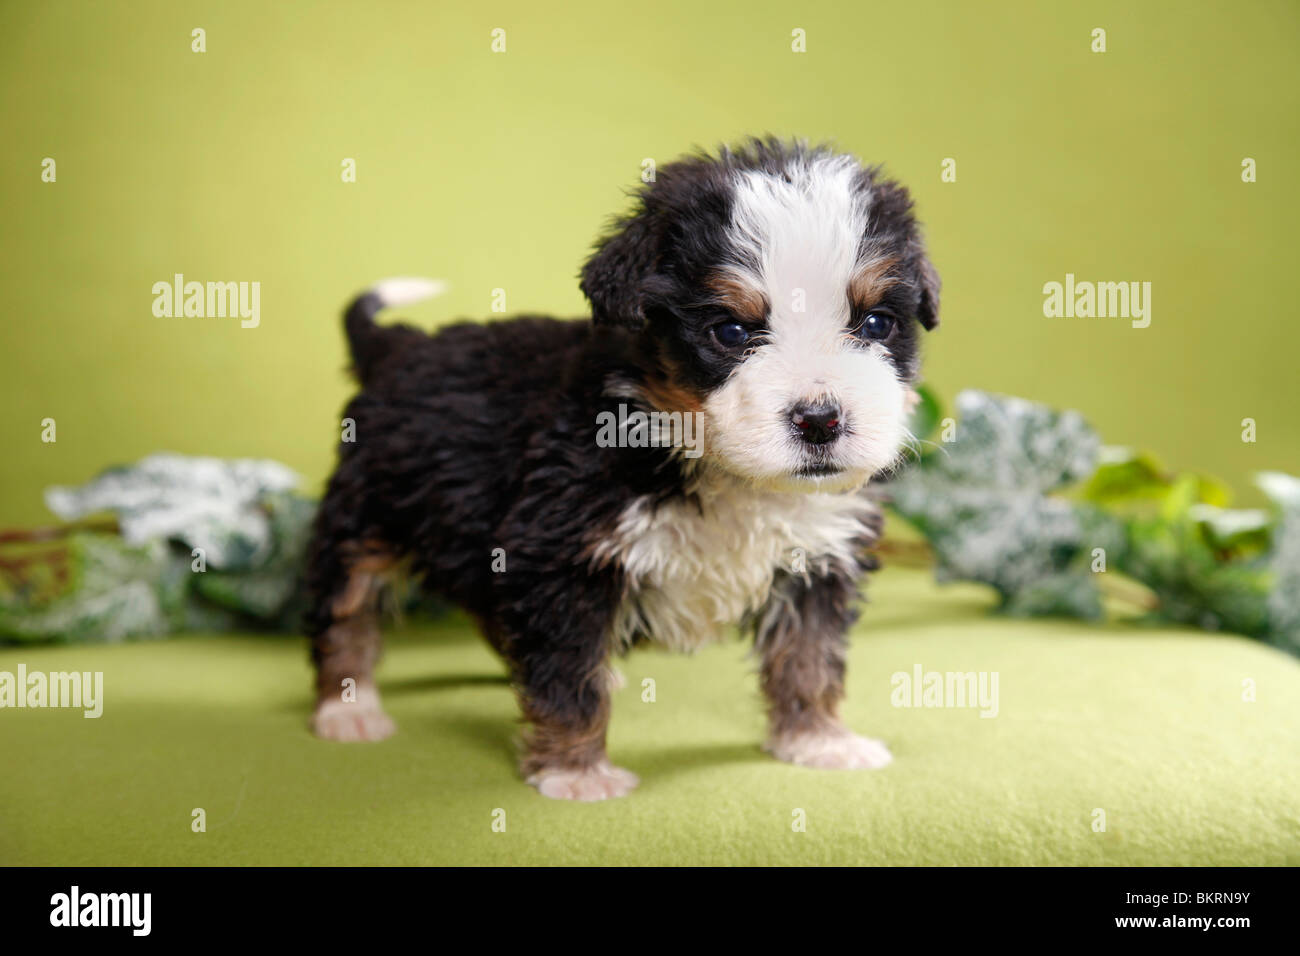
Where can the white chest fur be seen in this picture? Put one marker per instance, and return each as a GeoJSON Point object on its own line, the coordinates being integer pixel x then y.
{"type": "Point", "coordinates": [693, 570]}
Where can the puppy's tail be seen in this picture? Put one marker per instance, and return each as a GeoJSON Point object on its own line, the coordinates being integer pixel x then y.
{"type": "Point", "coordinates": [365, 338]}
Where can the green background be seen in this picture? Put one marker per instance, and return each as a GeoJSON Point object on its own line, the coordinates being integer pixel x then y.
{"type": "Point", "coordinates": [497, 171]}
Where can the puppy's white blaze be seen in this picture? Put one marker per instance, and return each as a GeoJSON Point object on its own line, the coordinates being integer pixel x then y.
{"type": "Point", "coordinates": [695, 570]}
{"type": "Point", "coordinates": [802, 235]}
{"type": "Point", "coordinates": [798, 242]}
{"type": "Point", "coordinates": [405, 290]}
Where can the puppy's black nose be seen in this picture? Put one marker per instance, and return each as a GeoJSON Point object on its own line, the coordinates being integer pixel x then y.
{"type": "Point", "coordinates": [817, 422]}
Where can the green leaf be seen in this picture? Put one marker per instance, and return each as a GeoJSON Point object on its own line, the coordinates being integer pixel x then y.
{"type": "Point", "coordinates": [267, 591]}
{"type": "Point", "coordinates": [1071, 594]}
{"type": "Point", "coordinates": [1124, 475]}
{"type": "Point", "coordinates": [1126, 479]}
{"type": "Point", "coordinates": [1212, 491]}
{"type": "Point", "coordinates": [981, 502]}
{"type": "Point", "coordinates": [1237, 530]}
{"type": "Point", "coordinates": [926, 415]}
{"type": "Point", "coordinates": [203, 503]}
{"type": "Point", "coordinates": [116, 591]}
{"type": "Point", "coordinates": [1284, 560]}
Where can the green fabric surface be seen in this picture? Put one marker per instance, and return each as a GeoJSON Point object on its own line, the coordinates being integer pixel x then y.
{"type": "Point", "coordinates": [1149, 726]}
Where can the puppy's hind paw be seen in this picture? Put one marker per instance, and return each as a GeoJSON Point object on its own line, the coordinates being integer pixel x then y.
{"type": "Point", "coordinates": [835, 748]}
{"type": "Point", "coordinates": [600, 781]}
{"type": "Point", "coordinates": [361, 719]}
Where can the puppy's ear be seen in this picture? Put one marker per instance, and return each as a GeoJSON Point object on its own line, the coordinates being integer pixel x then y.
{"type": "Point", "coordinates": [613, 278]}
{"type": "Point", "coordinates": [928, 311]}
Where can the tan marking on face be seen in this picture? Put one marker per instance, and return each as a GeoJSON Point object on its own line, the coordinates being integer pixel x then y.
{"type": "Point", "coordinates": [871, 280]}
{"type": "Point", "coordinates": [668, 395]}
{"type": "Point", "coordinates": [739, 297]}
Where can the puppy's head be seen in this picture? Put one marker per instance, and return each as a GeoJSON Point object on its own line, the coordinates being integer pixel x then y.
{"type": "Point", "coordinates": [781, 288]}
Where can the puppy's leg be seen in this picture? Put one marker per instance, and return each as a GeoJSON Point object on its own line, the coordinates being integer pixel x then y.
{"type": "Point", "coordinates": [346, 643]}
{"type": "Point", "coordinates": [564, 755]}
{"type": "Point", "coordinates": [560, 663]}
{"type": "Point", "coordinates": [801, 637]}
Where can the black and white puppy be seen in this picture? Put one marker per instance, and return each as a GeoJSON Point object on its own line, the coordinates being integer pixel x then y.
{"type": "Point", "coordinates": [769, 296]}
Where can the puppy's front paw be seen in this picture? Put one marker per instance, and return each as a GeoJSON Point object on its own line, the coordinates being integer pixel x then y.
{"type": "Point", "coordinates": [600, 781]}
{"type": "Point", "coordinates": [361, 719]}
{"type": "Point", "coordinates": [833, 748]}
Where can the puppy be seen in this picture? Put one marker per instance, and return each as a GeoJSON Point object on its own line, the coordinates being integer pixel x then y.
{"type": "Point", "coordinates": [694, 457]}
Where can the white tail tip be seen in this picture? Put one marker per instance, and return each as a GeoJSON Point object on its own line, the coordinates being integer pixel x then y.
{"type": "Point", "coordinates": [405, 290]}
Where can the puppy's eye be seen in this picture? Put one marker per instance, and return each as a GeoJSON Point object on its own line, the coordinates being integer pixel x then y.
{"type": "Point", "coordinates": [730, 335]}
{"type": "Point", "coordinates": [876, 326]}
